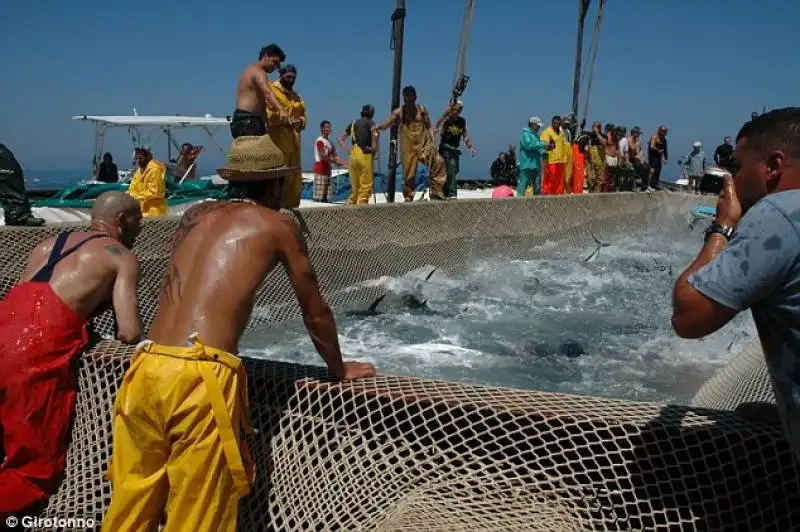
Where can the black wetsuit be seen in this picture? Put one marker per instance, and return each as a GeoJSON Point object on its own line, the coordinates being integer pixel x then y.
{"type": "Point", "coordinates": [107, 173]}
{"type": "Point", "coordinates": [724, 158]}
{"type": "Point", "coordinates": [16, 206]}
{"type": "Point", "coordinates": [498, 172]}
{"type": "Point", "coordinates": [248, 124]}
{"type": "Point", "coordinates": [511, 168]}
{"type": "Point", "coordinates": [655, 159]}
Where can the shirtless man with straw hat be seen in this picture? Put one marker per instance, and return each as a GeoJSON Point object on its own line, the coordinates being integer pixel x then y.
{"type": "Point", "coordinates": [183, 402]}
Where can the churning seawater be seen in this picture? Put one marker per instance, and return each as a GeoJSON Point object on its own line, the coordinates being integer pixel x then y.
{"type": "Point", "coordinates": [566, 324]}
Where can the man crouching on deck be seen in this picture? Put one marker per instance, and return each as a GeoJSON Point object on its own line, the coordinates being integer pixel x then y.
{"type": "Point", "coordinates": [751, 258]}
{"type": "Point", "coordinates": [43, 329]}
{"type": "Point", "coordinates": [183, 402]}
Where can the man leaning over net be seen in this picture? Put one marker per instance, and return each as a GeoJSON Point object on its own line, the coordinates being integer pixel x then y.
{"type": "Point", "coordinates": [44, 328]}
{"type": "Point", "coordinates": [751, 257]}
{"type": "Point", "coordinates": [183, 403]}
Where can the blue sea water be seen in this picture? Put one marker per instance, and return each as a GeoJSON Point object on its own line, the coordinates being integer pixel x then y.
{"type": "Point", "coordinates": [54, 178]}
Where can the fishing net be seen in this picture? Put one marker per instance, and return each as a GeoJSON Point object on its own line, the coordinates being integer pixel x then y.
{"type": "Point", "coordinates": [395, 453]}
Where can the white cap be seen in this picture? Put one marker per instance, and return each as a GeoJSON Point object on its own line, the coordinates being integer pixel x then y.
{"type": "Point", "coordinates": [535, 120]}
{"type": "Point", "coordinates": [697, 144]}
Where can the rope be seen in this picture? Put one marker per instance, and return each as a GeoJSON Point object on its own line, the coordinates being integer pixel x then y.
{"type": "Point", "coordinates": [459, 79]}
{"type": "Point", "coordinates": [593, 56]}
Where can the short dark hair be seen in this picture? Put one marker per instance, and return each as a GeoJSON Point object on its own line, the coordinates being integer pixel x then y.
{"type": "Point", "coordinates": [555, 117]}
{"type": "Point", "coordinates": [272, 50]}
{"type": "Point", "coordinates": [322, 124]}
{"type": "Point", "coordinates": [367, 110]}
{"type": "Point", "coordinates": [409, 90]}
{"type": "Point", "coordinates": [778, 129]}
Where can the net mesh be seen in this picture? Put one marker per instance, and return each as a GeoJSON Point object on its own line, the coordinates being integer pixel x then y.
{"type": "Point", "coordinates": [395, 453]}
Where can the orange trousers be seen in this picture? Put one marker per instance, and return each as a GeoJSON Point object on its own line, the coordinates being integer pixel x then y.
{"type": "Point", "coordinates": [553, 178]}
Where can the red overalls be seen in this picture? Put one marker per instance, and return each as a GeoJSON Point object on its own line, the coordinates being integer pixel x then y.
{"type": "Point", "coordinates": [40, 338]}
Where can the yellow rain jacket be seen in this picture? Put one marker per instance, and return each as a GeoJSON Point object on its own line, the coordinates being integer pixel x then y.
{"type": "Point", "coordinates": [287, 139]}
{"type": "Point", "coordinates": [149, 187]}
{"type": "Point", "coordinates": [562, 153]}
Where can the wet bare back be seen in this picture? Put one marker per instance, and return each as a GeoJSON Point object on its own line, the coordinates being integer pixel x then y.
{"type": "Point", "coordinates": [250, 94]}
{"type": "Point", "coordinates": [221, 253]}
{"type": "Point", "coordinates": [88, 278]}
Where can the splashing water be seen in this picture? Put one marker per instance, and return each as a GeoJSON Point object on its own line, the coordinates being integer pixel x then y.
{"type": "Point", "coordinates": [590, 321]}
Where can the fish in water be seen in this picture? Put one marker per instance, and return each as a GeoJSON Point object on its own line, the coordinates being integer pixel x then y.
{"type": "Point", "coordinates": [600, 245]}
{"type": "Point", "coordinates": [567, 348]}
{"type": "Point", "coordinates": [410, 301]}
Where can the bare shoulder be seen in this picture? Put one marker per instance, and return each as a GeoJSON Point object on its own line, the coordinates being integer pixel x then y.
{"type": "Point", "coordinates": [193, 217]}
{"type": "Point", "coordinates": [288, 231]}
{"type": "Point", "coordinates": [117, 252]}
{"type": "Point", "coordinates": [45, 246]}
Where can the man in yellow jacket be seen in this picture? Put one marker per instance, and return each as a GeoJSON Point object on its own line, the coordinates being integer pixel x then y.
{"type": "Point", "coordinates": [149, 184]}
{"type": "Point", "coordinates": [556, 158]}
{"type": "Point", "coordinates": [286, 134]}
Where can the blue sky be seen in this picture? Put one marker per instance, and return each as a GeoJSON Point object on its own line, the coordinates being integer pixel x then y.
{"type": "Point", "coordinates": [700, 67]}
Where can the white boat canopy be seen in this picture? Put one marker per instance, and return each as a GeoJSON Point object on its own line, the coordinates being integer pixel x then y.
{"type": "Point", "coordinates": [165, 124]}
{"type": "Point", "coordinates": [168, 121]}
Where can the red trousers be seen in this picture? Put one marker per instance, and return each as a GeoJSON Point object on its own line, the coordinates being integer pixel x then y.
{"type": "Point", "coordinates": [553, 178]}
{"type": "Point", "coordinates": [40, 338]}
{"type": "Point", "coordinates": [578, 170]}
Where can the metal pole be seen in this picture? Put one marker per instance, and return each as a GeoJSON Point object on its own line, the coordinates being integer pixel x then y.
{"type": "Point", "coordinates": [398, 24]}
{"type": "Point", "coordinates": [583, 8]}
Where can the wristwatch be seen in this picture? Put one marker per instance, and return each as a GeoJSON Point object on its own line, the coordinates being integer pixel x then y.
{"type": "Point", "coordinates": [716, 227]}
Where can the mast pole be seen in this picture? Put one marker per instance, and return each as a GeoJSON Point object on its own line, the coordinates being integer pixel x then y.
{"type": "Point", "coordinates": [583, 8]}
{"type": "Point", "coordinates": [398, 26]}
{"type": "Point", "coordinates": [169, 145]}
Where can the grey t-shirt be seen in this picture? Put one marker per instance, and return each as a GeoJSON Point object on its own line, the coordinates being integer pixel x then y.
{"type": "Point", "coordinates": [696, 163]}
{"type": "Point", "coordinates": [760, 270]}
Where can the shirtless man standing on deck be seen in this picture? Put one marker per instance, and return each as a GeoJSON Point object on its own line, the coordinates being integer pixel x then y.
{"type": "Point", "coordinates": [178, 415]}
{"type": "Point", "coordinates": [253, 94]}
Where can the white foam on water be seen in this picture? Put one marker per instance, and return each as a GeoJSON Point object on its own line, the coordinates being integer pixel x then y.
{"type": "Point", "coordinates": [515, 323]}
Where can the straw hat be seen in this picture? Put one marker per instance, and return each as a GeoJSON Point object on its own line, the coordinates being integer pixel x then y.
{"type": "Point", "coordinates": [254, 159]}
